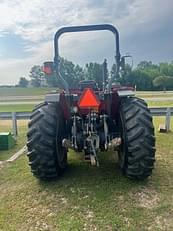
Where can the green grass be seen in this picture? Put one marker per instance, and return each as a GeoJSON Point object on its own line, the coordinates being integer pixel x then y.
{"type": "Point", "coordinates": [16, 107]}
{"type": "Point", "coordinates": [6, 126]}
{"type": "Point", "coordinates": [159, 103]}
{"type": "Point", "coordinates": [29, 107]}
{"type": "Point", "coordinates": [154, 94]}
{"type": "Point", "coordinates": [18, 91]}
{"type": "Point", "coordinates": [164, 95]}
{"type": "Point", "coordinates": [89, 198]}
{"type": "Point", "coordinates": [40, 92]}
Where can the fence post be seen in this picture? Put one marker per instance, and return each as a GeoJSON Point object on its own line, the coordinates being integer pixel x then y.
{"type": "Point", "coordinates": [14, 121]}
{"type": "Point", "coordinates": [168, 119]}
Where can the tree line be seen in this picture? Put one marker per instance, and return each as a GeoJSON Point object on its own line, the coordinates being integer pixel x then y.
{"type": "Point", "coordinates": [149, 76]}
{"type": "Point", "coordinates": [145, 76]}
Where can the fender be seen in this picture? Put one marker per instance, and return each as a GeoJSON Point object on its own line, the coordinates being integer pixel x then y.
{"type": "Point", "coordinates": [52, 98]}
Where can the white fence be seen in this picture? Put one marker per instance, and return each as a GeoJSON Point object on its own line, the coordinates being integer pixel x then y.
{"type": "Point", "coordinates": [14, 116]}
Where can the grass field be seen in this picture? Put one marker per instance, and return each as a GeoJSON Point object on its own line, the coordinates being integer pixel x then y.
{"type": "Point", "coordinates": [29, 107]}
{"type": "Point", "coordinates": [13, 91]}
{"type": "Point", "coordinates": [159, 103]}
{"type": "Point", "coordinates": [153, 94]}
{"type": "Point", "coordinates": [38, 94]}
{"type": "Point", "coordinates": [6, 126]}
{"type": "Point", "coordinates": [88, 198]}
{"type": "Point", "coordinates": [16, 107]}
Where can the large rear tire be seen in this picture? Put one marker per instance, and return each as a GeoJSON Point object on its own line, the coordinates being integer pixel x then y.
{"type": "Point", "coordinates": [47, 157]}
{"type": "Point", "coordinates": [137, 152]}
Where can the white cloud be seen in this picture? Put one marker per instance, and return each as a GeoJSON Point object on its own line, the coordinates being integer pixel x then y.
{"type": "Point", "coordinates": [12, 69]}
{"type": "Point", "coordinates": [36, 21]}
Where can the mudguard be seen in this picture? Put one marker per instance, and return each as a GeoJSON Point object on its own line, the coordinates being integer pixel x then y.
{"type": "Point", "coordinates": [52, 98]}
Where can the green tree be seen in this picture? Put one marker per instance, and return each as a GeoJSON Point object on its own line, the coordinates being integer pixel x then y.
{"type": "Point", "coordinates": [122, 78]}
{"type": "Point", "coordinates": [23, 82]}
{"type": "Point", "coordinates": [166, 69]}
{"type": "Point", "coordinates": [105, 71]}
{"type": "Point", "coordinates": [94, 71]}
{"type": "Point", "coordinates": [79, 73]}
{"type": "Point", "coordinates": [143, 65]}
{"type": "Point", "coordinates": [138, 78]}
{"type": "Point", "coordinates": [113, 71]}
{"type": "Point", "coordinates": [69, 71]}
{"type": "Point", "coordinates": [37, 76]}
{"type": "Point", "coordinates": [163, 82]}
{"type": "Point", "coordinates": [52, 80]}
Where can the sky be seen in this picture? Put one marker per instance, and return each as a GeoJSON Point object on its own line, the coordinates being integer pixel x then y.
{"type": "Point", "coordinates": [27, 31]}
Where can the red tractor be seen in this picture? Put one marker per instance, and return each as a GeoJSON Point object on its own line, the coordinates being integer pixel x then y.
{"type": "Point", "coordinates": [89, 119]}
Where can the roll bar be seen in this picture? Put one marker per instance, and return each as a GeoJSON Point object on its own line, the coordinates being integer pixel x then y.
{"type": "Point", "coordinates": [100, 27]}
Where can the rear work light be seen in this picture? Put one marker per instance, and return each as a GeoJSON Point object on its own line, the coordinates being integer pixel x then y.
{"type": "Point", "coordinates": [88, 99]}
{"type": "Point", "coordinates": [48, 68]}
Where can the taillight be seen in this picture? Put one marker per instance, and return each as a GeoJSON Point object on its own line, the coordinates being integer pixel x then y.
{"type": "Point", "coordinates": [48, 68]}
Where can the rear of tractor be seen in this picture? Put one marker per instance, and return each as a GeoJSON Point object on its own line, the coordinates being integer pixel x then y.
{"type": "Point", "coordinates": [90, 120]}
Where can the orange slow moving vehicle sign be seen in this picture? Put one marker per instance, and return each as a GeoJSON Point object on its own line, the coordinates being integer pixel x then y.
{"type": "Point", "coordinates": [88, 99]}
